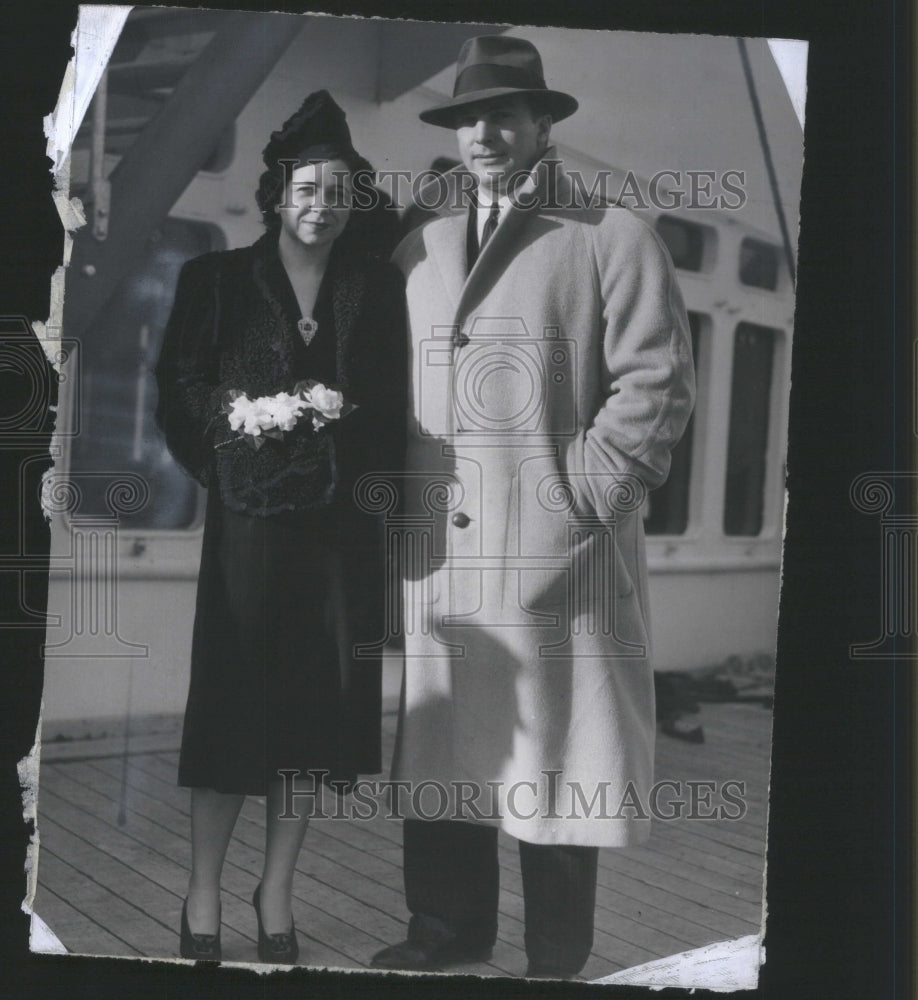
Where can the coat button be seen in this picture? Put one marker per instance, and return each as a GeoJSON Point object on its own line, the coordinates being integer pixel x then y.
{"type": "Point", "coordinates": [461, 520]}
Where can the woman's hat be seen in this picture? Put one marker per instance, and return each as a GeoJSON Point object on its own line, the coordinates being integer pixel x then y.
{"type": "Point", "coordinates": [317, 131]}
{"type": "Point", "coordinates": [498, 66]}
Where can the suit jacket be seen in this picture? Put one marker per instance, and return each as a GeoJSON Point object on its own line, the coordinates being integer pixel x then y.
{"type": "Point", "coordinates": [548, 388]}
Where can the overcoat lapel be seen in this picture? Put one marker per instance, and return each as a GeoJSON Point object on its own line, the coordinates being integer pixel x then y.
{"type": "Point", "coordinates": [494, 257]}
{"type": "Point", "coordinates": [538, 190]}
{"type": "Point", "coordinates": [278, 296]}
{"type": "Point", "coordinates": [448, 251]}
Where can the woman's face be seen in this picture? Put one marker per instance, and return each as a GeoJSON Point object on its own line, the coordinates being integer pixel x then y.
{"type": "Point", "coordinates": [317, 203]}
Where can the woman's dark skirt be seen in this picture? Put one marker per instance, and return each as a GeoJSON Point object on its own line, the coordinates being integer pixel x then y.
{"type": "Point", "coordinates": [281, 603]}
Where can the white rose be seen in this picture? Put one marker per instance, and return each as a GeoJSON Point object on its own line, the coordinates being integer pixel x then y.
{"type": "Point", "coordinates": [284, 410]}
{"type": "Point", "coordinates": [326, 402]}
{"type": "Point", "coordinates": [258, 416]}
{"type": "Point", "coordinates": [239, 410]}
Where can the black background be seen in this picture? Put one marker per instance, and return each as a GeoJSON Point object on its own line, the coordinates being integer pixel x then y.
{"type": "Point", "coordinates": [840, 865]}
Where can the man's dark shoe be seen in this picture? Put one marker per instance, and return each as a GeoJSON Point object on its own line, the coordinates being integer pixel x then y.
{"type": "Point", "coordinates": [545, 972]}
{"type": "Point", "coordinates": [414, 956]}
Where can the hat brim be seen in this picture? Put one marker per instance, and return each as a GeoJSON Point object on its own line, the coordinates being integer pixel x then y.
{"type": "Point", "coordinates": [560, 105]}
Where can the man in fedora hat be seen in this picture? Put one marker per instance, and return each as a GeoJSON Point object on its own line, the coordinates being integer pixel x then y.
{"type": "Point", "coordinates": [551, 378]}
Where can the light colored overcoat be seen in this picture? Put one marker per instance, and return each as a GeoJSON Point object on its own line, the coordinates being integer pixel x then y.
{"type": "Point", "coordinates": [548, 388]}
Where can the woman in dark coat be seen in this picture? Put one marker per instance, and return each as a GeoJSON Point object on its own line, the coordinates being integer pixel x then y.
{"type": "Point", "coordinates": [292, 569]}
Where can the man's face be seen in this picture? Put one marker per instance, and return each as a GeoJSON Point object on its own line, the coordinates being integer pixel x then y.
{"type": "Point", "coordinates": [500, 138]}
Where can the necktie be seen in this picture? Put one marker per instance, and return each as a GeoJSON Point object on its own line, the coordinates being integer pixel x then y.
{"type": "Point", "coordinates": [489, 226]}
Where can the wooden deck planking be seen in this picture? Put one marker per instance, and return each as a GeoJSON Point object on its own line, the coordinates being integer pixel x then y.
{"type": "Point", "coordinates": [170, 871]}
{"type": "Point", "coordinates": [105, 888]}
{"type": "Point", "coordinates": [245, 858]}
{"type": "Point", "coordinates": [112, 893]}
{"type": "Point", "coordinates": [75, 923]}
{"type": "Point", "coordinates": [324, 916]}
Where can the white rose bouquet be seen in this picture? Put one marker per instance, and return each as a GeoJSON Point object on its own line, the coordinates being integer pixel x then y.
{"type": "Point", "coordinates": [256, 420]}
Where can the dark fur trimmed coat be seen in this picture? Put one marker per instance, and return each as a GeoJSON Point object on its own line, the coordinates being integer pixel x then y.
{"type": "Point", "coordinates": [233, 326]}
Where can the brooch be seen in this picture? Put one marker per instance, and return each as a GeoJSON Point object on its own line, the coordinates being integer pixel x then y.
{"type": "Point", "coordinates": [307, 327]}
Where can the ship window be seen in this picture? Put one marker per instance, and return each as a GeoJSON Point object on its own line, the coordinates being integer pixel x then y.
{"type": "Point", "coordinates": [758, 264]}
{"type": "Point", "coordinates": [119, 353]}
{"type": "Point", "coordinates": [667, 507]}
{"type": "Point", "coordinates": [753, 361]}
{"type": "Point", "coordinates": [685, 242]}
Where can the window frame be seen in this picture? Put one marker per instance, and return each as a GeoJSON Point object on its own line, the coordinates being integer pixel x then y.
{"type": "Point", "coordinates": [709, 242]}
{"type": "Point", "coordinates": [719, 295]}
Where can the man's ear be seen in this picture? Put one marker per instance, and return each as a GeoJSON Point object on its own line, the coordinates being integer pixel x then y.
{"type": "Point", "coordinates": [544, 130]}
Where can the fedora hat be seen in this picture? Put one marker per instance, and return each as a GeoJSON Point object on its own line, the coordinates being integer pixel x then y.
{"type": "Point", "coordinates": [493, 66]}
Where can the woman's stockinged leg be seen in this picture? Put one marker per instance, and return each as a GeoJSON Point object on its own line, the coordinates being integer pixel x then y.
{"type": "Point", "coordinates": [213, 816]}
{"type": "Point", "coordinates": [284, 838]}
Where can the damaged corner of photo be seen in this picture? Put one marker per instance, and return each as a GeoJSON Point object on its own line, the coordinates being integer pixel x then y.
{"type": "Point", "coordinates": [518, 540]}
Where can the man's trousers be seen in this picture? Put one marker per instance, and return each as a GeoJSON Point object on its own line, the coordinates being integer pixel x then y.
{"type": "Point", "coordinates": [452, 885]}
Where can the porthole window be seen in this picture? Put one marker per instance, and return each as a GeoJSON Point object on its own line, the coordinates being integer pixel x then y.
{"type": "Point", "coordinates": [667, 508]}
{"type": "Point", "coordinates": [118, 356]}
{"type": "Point", "coordinates": [747, 444]}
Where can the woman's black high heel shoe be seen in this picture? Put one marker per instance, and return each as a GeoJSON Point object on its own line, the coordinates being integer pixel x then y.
{"type": "Point", "coordinates": [203, 947]}
{"type": "Point", "coordinates": [274, 949]}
